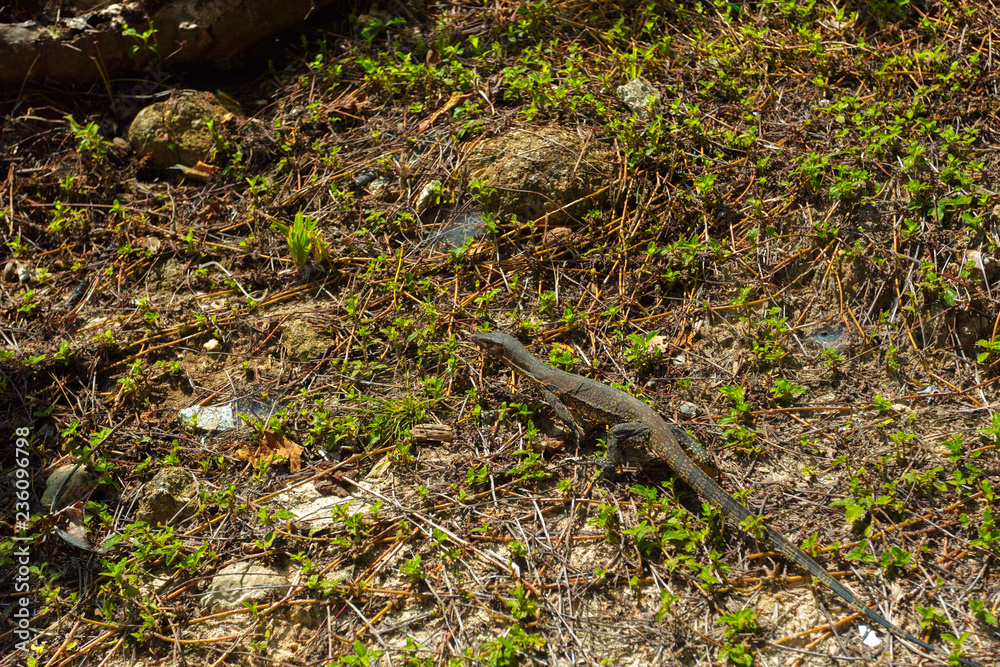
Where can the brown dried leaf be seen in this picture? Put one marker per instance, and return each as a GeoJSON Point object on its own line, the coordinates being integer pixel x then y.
{"type": "Point", "coordinates": [453, 101]}
{"type": "Point", "coordinates": [150, 243]}
{"type": "Point", "coordinates": [74, 531]}
{"type": "Point", "coordinates": [273, 445]}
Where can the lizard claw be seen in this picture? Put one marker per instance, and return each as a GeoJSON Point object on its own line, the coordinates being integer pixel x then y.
{"type": "Point", "coordinates": [607, 468]}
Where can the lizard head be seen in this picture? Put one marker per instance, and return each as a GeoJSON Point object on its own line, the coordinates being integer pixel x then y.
{"type": "Point", "coordinates": [495, 342]}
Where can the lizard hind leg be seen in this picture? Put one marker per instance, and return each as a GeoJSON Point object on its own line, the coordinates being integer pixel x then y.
{"type": "Point", "coordinates": [693, 448]}
{"type": "Point", "coordinates": [620, 435]}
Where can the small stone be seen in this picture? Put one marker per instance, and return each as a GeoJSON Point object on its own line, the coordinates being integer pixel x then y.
{"type": "Point", "coordinates": [303, 342]}
{"type": "Point", "coordinates": [180, 130]}
{"type": "Point", "coordinates": [208, 419]}
{"type": "Point", "coordinates": [25, 275]}
{"type": "Point", "coordinates": [688, 409]}
{"type": "Point", "coordinates": [243, 582]}
{"type": "Point", "coordinates": [10, 272]}
{"type": "Point", "coordinates": [977, 260]}
{"type": "Point", "coordinates": [640, 96]}
{"type": "Point", "coordinates": [171, 496]}
{"type": "Point", "coordinates": [73, 481]}
{"type": "Point", "coordinates": [427, 196]}
{"type": "Point", "coordinates": [211, 345]}
{"type": "Point", "coordinates": [555, 236]}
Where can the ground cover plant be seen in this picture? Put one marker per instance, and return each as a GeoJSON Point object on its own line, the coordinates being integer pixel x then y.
{"type": "Point", "coordinates": [791, 254]}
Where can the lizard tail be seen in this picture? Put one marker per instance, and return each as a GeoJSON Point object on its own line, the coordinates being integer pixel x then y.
{"type": "Point", "coordinates": [708, 487]}
{"type": "Point", "coordinates": [804, 561]}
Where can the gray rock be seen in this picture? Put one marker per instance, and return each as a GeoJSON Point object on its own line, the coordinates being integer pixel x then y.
{"type": "Point", "coordinates": [242, 582]}
{"type": "Point", "coordinates": [543, 172]}
{"type": "Point", "coordinates": [640, 96]}
{"type": "Point", "coordinates": [208, 419]}
{"type": "Point", "coordinates": [177, 131]}
{"type": "Point", "coordinates": [302, 342]}
{"type": "Point", "coordinates": [170, 497]}
{"type": "Point", "coordinates": [73, 482]}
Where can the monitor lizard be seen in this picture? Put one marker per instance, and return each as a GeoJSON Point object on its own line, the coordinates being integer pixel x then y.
{"type": "Point", "coordinates": [632, 422]}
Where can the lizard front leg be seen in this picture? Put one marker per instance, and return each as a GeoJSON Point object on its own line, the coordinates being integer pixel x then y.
{"type": "Point", "coordinates": [565, 416]}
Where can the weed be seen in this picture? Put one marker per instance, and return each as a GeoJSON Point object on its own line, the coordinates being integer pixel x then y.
{"type": "Point", "coordinates": [362, 656]}
{"type": "Point", "coordinates": [89, 142]}
{"type": "Point", "coordinates": [304, 241]}
{"type": "Point", "coordinates": [145, 42]}
{"type": "Point", "coordinates": [642, 351]}
{"type": "Point", "coordinates": [521, 606]}
{"type": "Point", "coordinates": [738, 435]}
{"type": "Point", "coordinates": [785, 390]}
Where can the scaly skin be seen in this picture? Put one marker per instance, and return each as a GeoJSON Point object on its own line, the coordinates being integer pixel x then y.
{"type": "Point", "coordinates": [632, 422]}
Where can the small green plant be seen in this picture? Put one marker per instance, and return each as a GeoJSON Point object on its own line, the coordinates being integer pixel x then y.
{"type": "Point", "coordinates": [667, 600]}
{"type": "Point", "coordinates": [362, 656]}
{"type": "Point", "coordinates": [530, 467]}
{"type": "Point", "coordinates": [89, 142]}
{"type": "Point", "coordinates": [642, 352]}
{"type": "Point", "coordinates": [304, 240]}
{"type": "Point", "coordinates": [562, 357]}
{"type": "Point", "coordinates": [738, 435]}
{"type": "Point", "coordinates": [982, 612]}
{"type": "Point", "coordinates": [607, 518]}
{"type": "Point", "coordinates": [410, 657]}
{"type": "Point", "coordinates": [990, 347]}
{"type": "Point", "coordinates": [831, 357]}
{"type": "Point", "coordinates": [785, 390]}
{"type": "Point", "coordinates": [930, 617]}
{"type": "Point", "coordinates": [17, 247]}
{"type": "Point", "coordinates": [508, 649]}
{"type": "Point", "coordinates": [521, 606]}
{"type": "Point", "coordinates": [65, 352]}
{"type": "Point", "coordinates": [145, 41]}
{"type": "Point", "coordinates": [412, 569]}
{"type": "Point", "coordinates": [993, 429]}
{"type": "Point", "coordinates": [547, 303]}
{"type": "Point", "coordinates": [28, 305]}
{"type": "Point", "coordinates": [740, 622]}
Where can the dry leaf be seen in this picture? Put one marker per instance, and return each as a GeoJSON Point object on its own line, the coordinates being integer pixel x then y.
{"type": "Point", "coordinates": [150, 243]}
{"type": "Point", "coordinates": [74, 532]}
{"type": "Point", "coordinates": [209, 169]}
{"type": "Point", "coordinates": [453, 101]}
{"type": "Point", "coordinates": [272, 446]}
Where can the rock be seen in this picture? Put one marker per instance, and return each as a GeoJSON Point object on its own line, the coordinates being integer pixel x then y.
{"type": "Point", "coordinates": [302, 342]}
{"type": "Point", "coordinates": [74, 482]}
{"type": "Point", "coordinates": [25, 275]}
{"type": "Point", "coordinates": [981, 263]}
{"type": "Point", "coordinates": [242, 582]}
{"type": "Point", "coordinates": [177, 131]}
{"type": "Point", "coordinates": [556, 236]}
{"type": "Point", "coordinates": [834, 337]}
{"type": "Point", "coordinates": [432, 433]}
{"type": "Point", "coordinates": [640, 96]}
{"type": "Point", "coordinates": [660, 343]}
{"type": "Point", "coordinates": [312, 506]}
{"type": "Point", "coordinates": [170, 497]}
{"type": "Point", "coordinates": [208, 419]}
{"type": "Point", "coordinates": [543, 172]}
{"type": "Point", "coordinates": [427, 197]}
{"type": "Point", "coordinates": [10, 271]}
